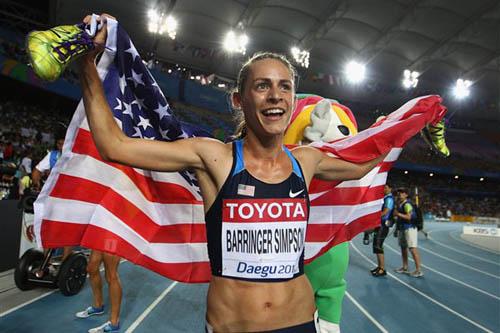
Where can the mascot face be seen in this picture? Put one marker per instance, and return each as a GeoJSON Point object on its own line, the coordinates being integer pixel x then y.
{"type": "Point", "coordinates": [319, 119]}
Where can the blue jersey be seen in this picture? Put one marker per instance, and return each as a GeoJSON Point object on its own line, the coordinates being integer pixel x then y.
{"type": "Point", "coordinates": [389, 204]}
{"type": "Point", "coordinates": [407, 208]}
{"type": "Point", "coordinates": [256, 230]}
{"type": "Point", "coordinates": [54, 156]}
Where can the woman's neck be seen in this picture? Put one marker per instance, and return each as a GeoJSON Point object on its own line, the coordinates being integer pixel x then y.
{"type": "Point", "coordinates": [268, 148]}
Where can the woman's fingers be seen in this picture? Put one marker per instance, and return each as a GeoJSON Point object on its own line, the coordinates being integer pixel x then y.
{"type": "Point", "coordinates": [87, 19]}
{"type": "Point", "coordinates": [103, 17]}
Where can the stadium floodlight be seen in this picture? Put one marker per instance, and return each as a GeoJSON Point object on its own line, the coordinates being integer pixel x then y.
{"type": "Point", "coordinates": [406, 172]}
{"type": "Point", "coordinates": [481, 179]}
{"type": "Point", "coordinates": [461, 89]}
{"type": "Point", "coordinates": [235, 43]}
{"type": "Point", "coordinates": [410, 78]}
{"type": "Point", "coordinates": [431, 175]}
{"type": "Point", "coordinates": [221, 85]}
{"type": "Point", "coordinates": [160, 24]}
{"type": "Point", "coordinates": [456, 177]}
{"type": "Point", "coordinates": [301, 57]}
{"type": "Point", "coordinates": [355, 72]}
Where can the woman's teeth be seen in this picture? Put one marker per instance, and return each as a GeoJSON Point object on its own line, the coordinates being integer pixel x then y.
{"type": "Point", "coordinates": [273, 112]}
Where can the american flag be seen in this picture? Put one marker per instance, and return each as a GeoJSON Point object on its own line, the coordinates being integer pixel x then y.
{"type": "Point", "coordinates": [155, 219]}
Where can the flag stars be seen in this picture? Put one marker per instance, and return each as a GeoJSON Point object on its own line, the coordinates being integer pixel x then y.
{"type": "Point", "coordinates": [123, 84]}
{"type": "Point", "coordinates": [128, 110]}
{"type": "Point", "coordinates": [162, 111]}
{"type": "Point", "coordinates": [183, 135]}
{"type": "Point", "coordinates": [139, 101]}
{"type": "Point", "coordinates": [137, 133]}
{"type": "Point", "coordinates": [119, 106]}
{"type": "Point", "coordinates": [192, 177]}
{"type": "Point", "coordinates": [144, 123]}
{"type": "Point", "coordinates": [137, 78]}
{"type": "Point", "coordinates": [131, 50]}
{"type": "Point", "coordinates": [164, 133]}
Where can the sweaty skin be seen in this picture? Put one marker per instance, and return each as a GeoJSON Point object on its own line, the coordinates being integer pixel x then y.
{"type": "Point", "coordinates": [232, 305]}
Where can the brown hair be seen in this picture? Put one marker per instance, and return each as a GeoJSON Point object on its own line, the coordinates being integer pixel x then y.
{"type": "Point", "coordinates": [241, 129]}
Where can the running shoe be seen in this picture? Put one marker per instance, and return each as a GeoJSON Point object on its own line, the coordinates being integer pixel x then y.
{"type": "Point", "coordinates": [106, 327]}
{"type": "Point", "coordinates": [90, 311]}
{"type": "Point", "coordinates": [50, 51]}
{"type": "Point", "coordinates": [374, 270]}
{"type": "Point", "coordinates": [402, 270]}
{"type": "Point", "coordinates": [417, 274]}
{"type": "Point", "coordinates": [379, 272]}
{"type": "Point", "coordinates": [434, 136]}
{"type": "Point", "coordinates": [366, 239]}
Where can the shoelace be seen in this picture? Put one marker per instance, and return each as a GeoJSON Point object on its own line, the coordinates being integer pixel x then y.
{"type": "Point", "coordinates": [437, 131]}
{"type": "Point", "coordinates": [82, 41]}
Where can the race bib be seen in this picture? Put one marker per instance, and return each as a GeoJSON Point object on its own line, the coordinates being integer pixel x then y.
{"type": "Point", "coordinates": [263, 238]}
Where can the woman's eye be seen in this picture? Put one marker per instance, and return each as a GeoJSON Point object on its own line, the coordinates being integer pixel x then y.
{"type": "Point", "coordinates": [262, 85]}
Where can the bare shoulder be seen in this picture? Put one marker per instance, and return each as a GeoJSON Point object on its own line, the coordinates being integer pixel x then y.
{"type": "Point", "coordinates": [210, 147]}
{"type": "Point", "coordinates": [305, 154]}
{"type": "Point", "coordinates": [308, 158]}
{"type": "Point", "coordinates": [216, 156]}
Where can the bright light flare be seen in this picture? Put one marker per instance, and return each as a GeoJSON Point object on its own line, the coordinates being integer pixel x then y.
{"type": "Point", "coordinates": [355, 72]}
{"type": "Point", "coordinates": [235, 43]}
{"type": "Point", "coordinates": [461, 89]}
{"type": "Point", "coordinates": [301, 57]}
{"type": "Point", "coordinates": [161, 24]}
{"type": "Point", "coordinates": [410, 79]}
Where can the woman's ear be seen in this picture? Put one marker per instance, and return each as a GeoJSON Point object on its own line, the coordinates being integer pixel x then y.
{"type": "Point", "coordinates": [236, 100]}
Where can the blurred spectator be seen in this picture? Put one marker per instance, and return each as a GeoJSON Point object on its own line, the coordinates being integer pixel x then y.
{"type": "Point", "coordinates": [443, 195]}
{"type": "Point", "coordinates": [26, 161]}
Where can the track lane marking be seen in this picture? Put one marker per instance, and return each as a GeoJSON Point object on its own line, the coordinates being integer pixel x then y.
{"type": "Point", "coordinates": [448, 276]}
{"type": "Point", "coordinates": [461, 252]}
{"type": "Point", "coordinates": [366, 313]}
{"type": "Point", "coordinates": [150, 308]}
{"type": "Point", "coordinates": [460, 264]}
{"type": "Point", "coordinates": [425, 295]}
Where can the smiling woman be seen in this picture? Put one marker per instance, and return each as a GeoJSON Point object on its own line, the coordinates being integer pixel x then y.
{"type": "Point", "coordinates": [254, 192]}
{"type": "Point", "coordinates": [261, 85]}
{"type": "Point", "coordinates": [250, 291]}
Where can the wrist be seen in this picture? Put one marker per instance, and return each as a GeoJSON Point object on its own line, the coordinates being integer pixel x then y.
{"type": "Point", "coordinates": [88, 60]}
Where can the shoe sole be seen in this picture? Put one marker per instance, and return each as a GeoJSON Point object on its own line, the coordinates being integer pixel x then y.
{"type": "Point", "coordinates": [90, 315]}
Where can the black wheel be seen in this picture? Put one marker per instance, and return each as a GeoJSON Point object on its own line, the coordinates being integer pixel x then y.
{"type": "Point", "coordinates": [27, 202]}
{"type": "Point", "coordinates": [30, 259]}
{"type": "Point", "coordinates": [72, 274]}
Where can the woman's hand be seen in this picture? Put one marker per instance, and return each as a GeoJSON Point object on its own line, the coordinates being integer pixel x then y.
{"type": "Point", "coordinates": [100, 37]}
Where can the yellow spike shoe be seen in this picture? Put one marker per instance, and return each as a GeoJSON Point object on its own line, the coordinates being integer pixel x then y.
{"type": "Point", "coordinates": [434, 136]}
{"type": "Point", "coordinates": [50, 51]}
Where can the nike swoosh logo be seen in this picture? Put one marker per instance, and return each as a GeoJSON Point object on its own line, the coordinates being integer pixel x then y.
{"type": "Point", "coordinates": [294, 194]}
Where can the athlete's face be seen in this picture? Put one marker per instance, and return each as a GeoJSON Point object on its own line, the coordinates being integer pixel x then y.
{"type": "Point", "coordinates": [402, 196]}
{"type": "Point", "coordinates": [60, 144]}
{"type": "Point", "coordinates": [267, 99]}
{"type": "Point", "coordinates": [387, 189]}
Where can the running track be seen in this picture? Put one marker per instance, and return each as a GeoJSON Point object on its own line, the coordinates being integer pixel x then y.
{"type": "Point", "coordinates": [460, 292]}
